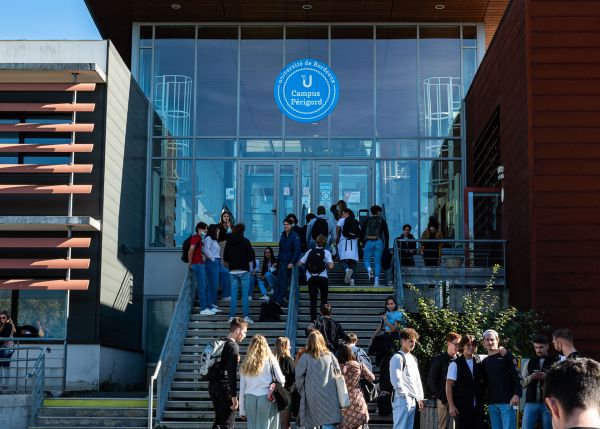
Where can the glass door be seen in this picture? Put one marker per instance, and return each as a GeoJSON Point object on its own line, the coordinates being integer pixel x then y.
{"type": "Point", "coordinates": [269, 193]}
{"type": "Point", "coordinates": [348, 181]}
{"type": "Point", "coordinates": [483, 214]}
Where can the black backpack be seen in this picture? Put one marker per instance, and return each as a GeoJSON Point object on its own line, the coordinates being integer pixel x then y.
{"type": "Point", "coordinates": [270, 312]}
{"type": "Point", "coordinates": [320, 227]}
{"type": "Point", "coordinates": [315, 262]}
{"type": "Point", "coordinates": [351, 229]}
{"type": "Point", "coordinates": [373, 228]}
{"type": "Point", "coordinates": [185, 248]}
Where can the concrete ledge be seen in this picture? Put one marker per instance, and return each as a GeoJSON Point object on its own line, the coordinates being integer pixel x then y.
{"type": "Point", "coordinates": [48, 223]}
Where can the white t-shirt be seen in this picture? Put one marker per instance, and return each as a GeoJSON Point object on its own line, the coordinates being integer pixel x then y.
{"type": "Point", "coordinates": [453, 369]}
{"type": "Point", "coordinates": [328, 260]}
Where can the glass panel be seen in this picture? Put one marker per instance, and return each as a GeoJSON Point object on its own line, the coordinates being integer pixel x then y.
{"type": "Point", "coordinates": [441, 188]}
{"type": "Point", "coordinates": [307, 148]}
{"type": "Point", "coordinates": [261, 148]}
{"type": "Point", "coordinates": [216, 92]}
{"type": "Point", "coordinates": [396, 68]}
{"type": "Point", "coordinates": [352, 62]}
{"type": "Point", "coordinates": [397, 149]}
{"type": "Point", "coordinates": [145, 36]}
{"type": "Point", "coordinates": [440, 148]}
{"type": "Point", "coordinates": [305, 187]}
{"type": "Point", "coordinates": [351, 148]}
{"type": "Point", "coordinates": [325, 186]}
{"type": "Point", "coordinates": [173, 75]}
{"type": "Point", "coordinates": [215, 185]}
{"type": "Point", "coordinates": [6, 300]}
{"type": "Point", "coordinates": [485, 216]}
{"type": "Point", "coordinates": [439, 49]}
{"type": "Point", "coordinates": [145, 71]}
{"type": "Point", "coordinates": [306, 42]}
{"type": "Point", "coordinates": [215, 148]}
{"type": "Point", "coordinates": [397, 189]}
{"type": "Point", "coordinates": [469, 67]}
{"type": "Point", "coordinates": [469, 36]}
{"type": "Point", "coordinates": [159, 313]}
{"type": "Point", "coordinates": [261, 61]}
{"type": "Point", "coordinates": [46, 310]}
{"type": "Point", "coordinates": [170, 203]}
{"type": "Point", "coordinates": [45, 158]}
{"type": "Point", "coordinates": [171, 148]}
{"type": "Point", "coordinates": [259, 195]}
{"type": "Point", "coordinates": [354, 186]}
{"type": "Point", "coordinates": [287, 191]}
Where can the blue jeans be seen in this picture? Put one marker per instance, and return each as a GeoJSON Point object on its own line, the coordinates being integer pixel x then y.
{"type": "Point", "coordinates": [270, 279]}
{"type": "Point", "coordinates": [239, 281]}
{"type": "Point", "coordinates": [217, 274]}
{"type": "Point", "coordinates": [373, 248]}
{"type": "Point", "coordinates": [502, 416]}
{"type": "Point", "coordinates": [251, 283]}
{"type": "Point", "coordinates": [534, 412]}
{"type": "Point", "coordinates": [403, 411]}
{"type": "Point", "coordinates": [204, 293]}
{"type": "Point", "coordinates": [283, 277]}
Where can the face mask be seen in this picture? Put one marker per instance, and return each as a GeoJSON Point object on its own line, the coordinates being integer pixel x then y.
{"type": "Point", "coordinates": [203, 234]}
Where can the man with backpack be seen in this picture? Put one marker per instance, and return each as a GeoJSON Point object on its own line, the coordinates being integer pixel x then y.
{"type": "Point", "coordinates": [348, 232]}
{"type": "Point", "coordinates": [332, 330]}
{"type": "Point", "coordinates": [289, 254]}
{"type": "Point", "coordinates": [320, 226]}
{"type": "Point", "coordinates": [375, 236]}
{"type": "Point", "coordinates": [221, 373]}
{"type": "Point", "coordinates": [317, 261]}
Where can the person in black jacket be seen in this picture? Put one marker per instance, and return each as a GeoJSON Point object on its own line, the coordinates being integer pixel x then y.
{"type": "Point", "coordinates": [332, 331]}
{"type": "Point", "coordinates": [282, 352]}
{"type": "Point", "coordinates": [436, 379]}
{"type": "Point", "coordinates": [238, 255]}
{"type": "Point", "coordinates": [464, 386]}
{"type": "Point", "coordinates": [407, 248]}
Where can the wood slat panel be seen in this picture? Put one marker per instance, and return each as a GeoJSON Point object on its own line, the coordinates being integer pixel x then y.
{"type": "Point", "coordinates": [47, 128]}
{"type": "Point", "coordinates": [47, 107]}
{"type": "Point", "coordinates": [45, 243]}
{"type": "Point", "coordinates": [48, 264]}
{"type": "Point", "coordinates": [46, 148]}
{"type": "Point", "coordinates": [46, 168]}
{"type": "Point", "coordinates": [53, 189]}
{"type": "Point", "coordinates": [48, 87]}
{"type": "Point", "coordinates": [29, 284]}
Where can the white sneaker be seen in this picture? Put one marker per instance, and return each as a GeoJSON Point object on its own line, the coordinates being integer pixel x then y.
{"type": "Point", "coordinates": [227, 299]}
{"type": "Point", "coordinates": [348, 277]}
{"type": "Point", "coordinates": [250, 298]}
{"type": "Point", "coordinates": [351, 282]}
{"type": "Point", "coordinates": [206, 312]}
{"type": "Point", "coordinates": [216, 310]}
{"type": "Point", "coordinates": [376, 282]}
{"type": "Point", "coordinates": [248, 320]}
{"type": "Point", "coordinates": [270, 292]}
{"type": "Point", "coordinates": [266, 298]}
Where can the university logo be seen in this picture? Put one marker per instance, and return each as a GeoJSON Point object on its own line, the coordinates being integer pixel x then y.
{"type": "Point", "coordinates": [306, 90]}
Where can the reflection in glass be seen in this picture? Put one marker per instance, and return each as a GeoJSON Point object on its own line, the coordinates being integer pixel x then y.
{"type": "Point", "coordinates": [469, 36]}
{"type": "Point", "coordinates": [171, 148]}
{"type": "Point", "coordinates": [439, 50]}
{"type": "Point", "coordinates": [305, 187]}
{"type": "Point", "coordinates": [287, 191]}
{"type": "Point", "coordinates": [216, 91]}
{"type": "Point", "coordinates": [261, 148]}
{"type": "Point", "coordinates": [215, 186]}
{"type": "Point", "coordinates": [352, 148]}
{"type": "Point", "coordinates": [352, 61]}
{"type": "Point", "coordinates": [213, 148]}
{"type": "Point", "coordinates": [45, 310]}
{"type": "Point", "coordinates": [170, 203]}
{"type": "Point", "coordinates": [390, 148]}
{"type": "Point", "coordinates": [261, 62]}
{"type": "Point", "coordinates": [446, 148]}
{"type": "Point", "coordinates": [145, 71]}
{"type": "Point", "coordinates": [324, 186]}
{"type": "Point", "coordinates": [259, 195]}
{"type": "Point", "coordinates": [159, 312]}
{"type": "Point", "coordinates": [353, 185]}
{"type": "Point", "coordinates": [469, 67]}
{"type": "Point", "coordinates": [396, 78]}
{"type": "Point", "coordinates": [173, 74]}
{"type": "Point", "coordinates": [441, 187]}
{"type": "Point", "coordinates": [397, 188]}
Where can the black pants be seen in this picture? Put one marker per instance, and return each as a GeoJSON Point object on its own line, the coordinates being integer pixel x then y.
{"type": "Point", "coordinates": [221, 400]}
{"type": "Point", "coordinates": [317, 284]}
{"type": "Point", "coordinates": [469, 418]}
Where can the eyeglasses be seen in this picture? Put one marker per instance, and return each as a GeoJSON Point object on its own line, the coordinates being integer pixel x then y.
{"type": "Point", "coordinates": [3, 317]}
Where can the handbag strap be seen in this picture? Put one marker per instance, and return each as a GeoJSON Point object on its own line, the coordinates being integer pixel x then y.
{"type": "Point", "coordinates": [273, 379]}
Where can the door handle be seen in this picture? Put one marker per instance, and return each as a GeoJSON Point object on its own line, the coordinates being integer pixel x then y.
{"type": "Point", "coordinates": [273, 211]}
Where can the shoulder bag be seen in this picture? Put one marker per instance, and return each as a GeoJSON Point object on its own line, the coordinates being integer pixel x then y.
{"type": "Point", "coordinates": [368, 389]}
{"type": "Point", "coordinates": [340, 385]}
{"type": "Point", "coordinates": [279, 394]}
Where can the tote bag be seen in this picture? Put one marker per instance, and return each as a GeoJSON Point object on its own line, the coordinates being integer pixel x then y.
{"type": "Point", "coordinates": [340, 384]}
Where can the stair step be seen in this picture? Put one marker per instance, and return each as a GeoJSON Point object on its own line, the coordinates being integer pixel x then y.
{"type": "Point", "coordinates": [84, 412]}
{"type": "Point", "coordinates": [101, 422]}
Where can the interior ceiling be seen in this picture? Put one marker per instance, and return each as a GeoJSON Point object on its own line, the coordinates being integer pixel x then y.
{"type": "Point", "coordinates": [114, 17]}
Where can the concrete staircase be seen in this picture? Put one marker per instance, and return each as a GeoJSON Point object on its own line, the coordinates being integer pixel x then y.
{"type": "Point", "coordinates": [91, 413]}
{"type": "Point", "coordinates": [189, 405]}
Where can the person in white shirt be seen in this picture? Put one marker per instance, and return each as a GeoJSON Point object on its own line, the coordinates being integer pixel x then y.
{"type": "Point", "coordinates": [406, 380]}
{"type": "Point", "coordinates": [317, 261]}
{"type": "Point", "coordinates": [348, 246]}
{"type": "Point", "coordinates": [216, 273]}
{"type": "Point", "coordinates": [257, 372]}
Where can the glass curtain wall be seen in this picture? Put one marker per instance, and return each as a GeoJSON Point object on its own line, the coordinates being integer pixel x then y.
{"type": "Point", "coordinates": [211, 88]}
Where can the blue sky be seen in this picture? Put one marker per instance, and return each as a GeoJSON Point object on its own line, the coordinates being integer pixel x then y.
{"type": "Point", "coordinates": [46, 20]}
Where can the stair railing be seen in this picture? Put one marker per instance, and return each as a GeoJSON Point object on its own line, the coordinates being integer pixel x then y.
{"type": "Point", "coordinates": [169, 356]}
{"type": "Point", "coordinates": [398, 286]}
{"type": "Point", "coordinates": [293, 309]}
{"type": "Point", "coordinates": [38, 377]}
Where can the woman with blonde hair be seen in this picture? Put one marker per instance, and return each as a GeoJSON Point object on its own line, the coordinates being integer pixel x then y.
{"type": "Point", "coordinates": [286, 363]}
{"type": "Point", "coordinates": [319, 403]}
{"type": "Point", "coordinates": [256, 375]}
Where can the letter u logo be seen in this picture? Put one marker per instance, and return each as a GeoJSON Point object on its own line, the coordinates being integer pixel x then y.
{"type": "Point", "coordinates": [309, 84]}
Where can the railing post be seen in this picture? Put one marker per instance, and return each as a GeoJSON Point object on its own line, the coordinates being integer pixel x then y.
{"type": "Point", "coordinates": [399, 287]}
{"type": "Point", "coordinates": [293, 308]}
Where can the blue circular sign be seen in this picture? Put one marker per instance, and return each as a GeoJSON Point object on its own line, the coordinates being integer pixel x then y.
{"type": "Point", "coordinates": [306, 90]}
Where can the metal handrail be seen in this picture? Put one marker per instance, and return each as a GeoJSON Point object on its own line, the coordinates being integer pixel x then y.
{"type": "Point", "coordinates": [291, 325]}
{"type": "Point", "coordinates": [38, 376]}
{"type": "Point", "coordinates": [171, 350]}
{"type": "Point", "coordinates": [398, 285]}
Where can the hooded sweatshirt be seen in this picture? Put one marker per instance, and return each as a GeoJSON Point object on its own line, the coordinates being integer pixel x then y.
{"type": "Point", "coordinates": [238, 253]}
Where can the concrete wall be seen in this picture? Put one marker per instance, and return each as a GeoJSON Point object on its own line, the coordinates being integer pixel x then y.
{"type": "Point", "coordinates": [14, 411]}
{"type": "Point", "coordinates": [164, 273]}
{"type": "Point", "coordinates": [83, 363]}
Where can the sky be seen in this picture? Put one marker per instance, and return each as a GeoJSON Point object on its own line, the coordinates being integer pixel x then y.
{"type": "Point", "coordinates": [46, 20]}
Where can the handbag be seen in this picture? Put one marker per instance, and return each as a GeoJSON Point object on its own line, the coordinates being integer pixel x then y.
{"type": "Point", "coordinates": [368, 389]}
{"type": "Point", "coordinates": [340, 385]}
{"type": "Point", "coordinates": [279, 394]}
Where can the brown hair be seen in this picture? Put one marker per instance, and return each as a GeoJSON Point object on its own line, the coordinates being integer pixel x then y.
{"type": "Point", "coordinates": [326, 309]}
{"type": "Point", "coordinates": [315, 345]}
{"type": "Point", "coordinates": [321, 240]}
{"type": "Point", "coordinates": [409, 334]}
{"type": "Point", "coordinates": [467, 339]}
{"type": "Point", "coordinates": [351, 336]}
{"type": "Point", "coordinates": [281, 347]}
{"type": "Point", "coordinates": [563, 334]}
{"type": "Point", "coordinates": [237, 322]}
{"type": "Point", "coordinates": [344, 354]}
{"type": "Point", "coordinates": [452, 336]}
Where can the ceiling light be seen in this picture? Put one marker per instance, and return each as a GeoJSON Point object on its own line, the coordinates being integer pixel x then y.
{"type": "Point", "coordinates": [175, 6]}
{"type": "Point", "coordinates": [306, 7]}
{"type": "Point", "coordinates": [439, 6]}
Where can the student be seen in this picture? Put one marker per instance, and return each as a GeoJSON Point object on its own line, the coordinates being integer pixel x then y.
{"type": "Point", "coordinates": [196, 258]}
{"type": "Point", "coordinates": [348, 233]}
{"type": "Point", "coordinates": [268, 273]}
{"type": "Point", "coordinates": [216, 273]}
{"type": "Point", "coordinates": [289, 254]}
{"type": "Point", "coordinates": [286, 363]}
{"type": "Point", "coordinates": [375, 237]}
{"type": "Point", "coordinates": [407, 248]}
{"type": "Point", "coordinates": [317, 261]}
{"type": "Point", "coordinates": [320, 226]}
{"type": "Point", "coordinates": [391, 320]}
{"type": "Point", "coordinates": [361, 356]}
{"type": "Point", "coordinates": [432, 252]}
{"type": "Point", "coordinates": [405, 377]}
{"type": "Point", "coordinates": [357, 414]}
{"type": "Point", "coordinates": [331, 329]}
{"type": "Point", "coordinates": [436, 379]}
{"type": "Point", "coordinates": [223, 389]}
{"type": "Point", "coordinates": [562, 340]}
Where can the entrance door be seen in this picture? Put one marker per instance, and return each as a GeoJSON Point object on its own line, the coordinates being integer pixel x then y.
{"type": "Point", "coordinates": [483, 214]}
{"type": "Point", "coordinates": [269, 192]}
{"type": "Point", "coordinates": [348, 181]}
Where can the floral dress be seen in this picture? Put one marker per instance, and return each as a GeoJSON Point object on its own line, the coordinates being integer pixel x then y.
{"type": "Point", "coordinates": [357, 414]}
